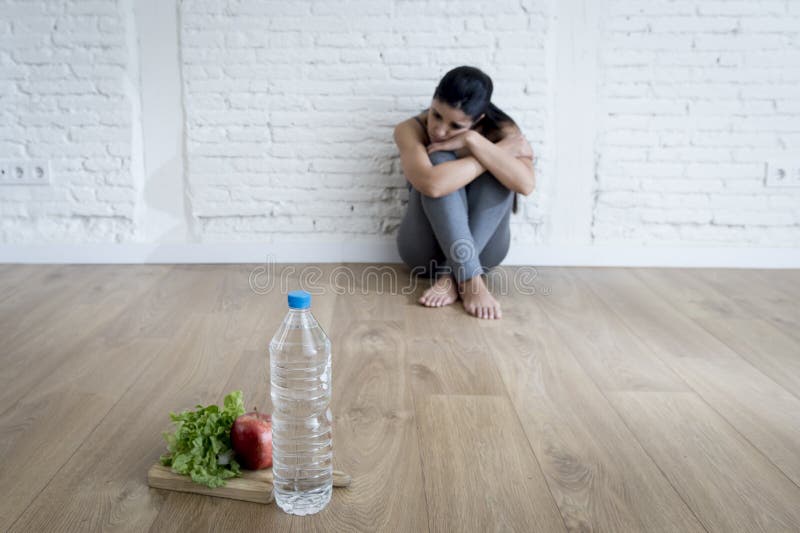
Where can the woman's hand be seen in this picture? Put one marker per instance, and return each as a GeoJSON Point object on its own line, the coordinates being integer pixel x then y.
{"type": "Point", "coordinates": [510, 160]}
{"type": "Point", "coordinates": [517, 145]}
{"type": "Point", "coordinates": [457, 143]}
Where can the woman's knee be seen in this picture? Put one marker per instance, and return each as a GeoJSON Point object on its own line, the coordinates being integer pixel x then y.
{"type": "Point", "coordinates": [443, 156]}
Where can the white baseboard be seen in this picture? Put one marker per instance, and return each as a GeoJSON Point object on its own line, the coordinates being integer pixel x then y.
{"type": "Point", "coordinates": [385, 252]}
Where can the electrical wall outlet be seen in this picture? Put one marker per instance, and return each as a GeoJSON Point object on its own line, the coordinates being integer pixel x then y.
{"type": "Point", "coordinates": [5, 171]}
{"type": "Point", "coordinates": [782, 173]}
{"type": "Point", "coordinates": [31, 172]}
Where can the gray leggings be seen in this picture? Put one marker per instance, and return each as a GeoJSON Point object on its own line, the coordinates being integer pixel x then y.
{"type": "Point", "coordinates": [464, 233]}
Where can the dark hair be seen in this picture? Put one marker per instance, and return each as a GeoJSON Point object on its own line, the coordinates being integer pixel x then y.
{"type": "Point", "coordinates": [470, 90]}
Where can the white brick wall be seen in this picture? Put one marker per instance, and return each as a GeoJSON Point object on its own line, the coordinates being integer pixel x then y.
{"type": "Point", "coordinates": [696, 96]}
{"type": "Point", "coordinates": [288, 110]}
{"type": "Point", "coordinates": [62, 98]}
{"type": "Point", "coordinates": [290, 106]}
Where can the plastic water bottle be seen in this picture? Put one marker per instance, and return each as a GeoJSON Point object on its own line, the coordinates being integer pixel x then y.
{"type": "Point", "coordinates": [302, 440]}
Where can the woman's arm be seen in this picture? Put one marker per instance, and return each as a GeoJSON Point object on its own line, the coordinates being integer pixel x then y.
{"type": "Point", "coordinates": [429, 179]}
{"type": "Point", "coordinates": [512, 167]}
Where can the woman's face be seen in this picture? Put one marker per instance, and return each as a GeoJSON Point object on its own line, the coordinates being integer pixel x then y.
{"type": "Point", "coordinates": [445, 121]}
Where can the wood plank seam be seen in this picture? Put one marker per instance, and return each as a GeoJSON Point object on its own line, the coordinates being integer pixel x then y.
{"type": "Point", "coordinates": [533, 453]}
{"type": "Point", "coordinates": [620, 417]}
{"type": "Point", "coordinates": [699, 395]}
{"type": "Point", "coordinates": [100, 421]}
{"type": "Point", "coordinates": [700, 324]}
{"type": "Point", "coordinates": [419, 445]}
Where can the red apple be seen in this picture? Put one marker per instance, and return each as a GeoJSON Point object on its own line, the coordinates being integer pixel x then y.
{"type": "Point", "coordinates": [251, 438]}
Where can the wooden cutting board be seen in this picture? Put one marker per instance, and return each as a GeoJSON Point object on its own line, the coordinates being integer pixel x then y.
{"type": "Point", "coordinates": [252, 486]}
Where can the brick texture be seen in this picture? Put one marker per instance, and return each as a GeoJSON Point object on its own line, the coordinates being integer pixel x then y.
{"type": "Point", "coordinates": [63, 99]}
{"type": "Point", "coordinates": [290, 106]}
{"type": "Point", "coordinates": [289, 109]}
{"type": "Point", "coordinates": [695, 97]}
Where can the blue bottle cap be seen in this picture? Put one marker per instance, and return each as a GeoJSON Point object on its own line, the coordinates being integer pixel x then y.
{"type": "Point", "coordinates": [299, 300]}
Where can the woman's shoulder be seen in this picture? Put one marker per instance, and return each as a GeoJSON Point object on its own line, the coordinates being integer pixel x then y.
{"type": "Point", "coordinates": [414, 128]}
{"type": "Point", "coordinates": [420, 118]}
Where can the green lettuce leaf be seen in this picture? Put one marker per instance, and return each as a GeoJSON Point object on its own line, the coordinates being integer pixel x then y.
{"type": "Point", "coordinates": [200, 437]}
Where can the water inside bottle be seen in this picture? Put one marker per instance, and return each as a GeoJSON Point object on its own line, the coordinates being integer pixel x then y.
{"type": "Point", "coordinates": [300, 375]}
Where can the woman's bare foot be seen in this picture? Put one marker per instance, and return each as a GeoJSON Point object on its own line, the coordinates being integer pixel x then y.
{"type": "Point", "coordinates": [477, 299]}
{"type": "Point", "coordinates": [442, 292]}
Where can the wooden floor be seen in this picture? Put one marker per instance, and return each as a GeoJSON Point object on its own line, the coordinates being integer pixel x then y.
{"type": "Point", "coordinates": [609, 399]}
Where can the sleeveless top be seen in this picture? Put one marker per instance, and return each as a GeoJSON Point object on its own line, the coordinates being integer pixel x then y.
{"type": "Point", "coordinates": [424, 129]}
{"type": "Point", "coordinates": [428, 141]}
